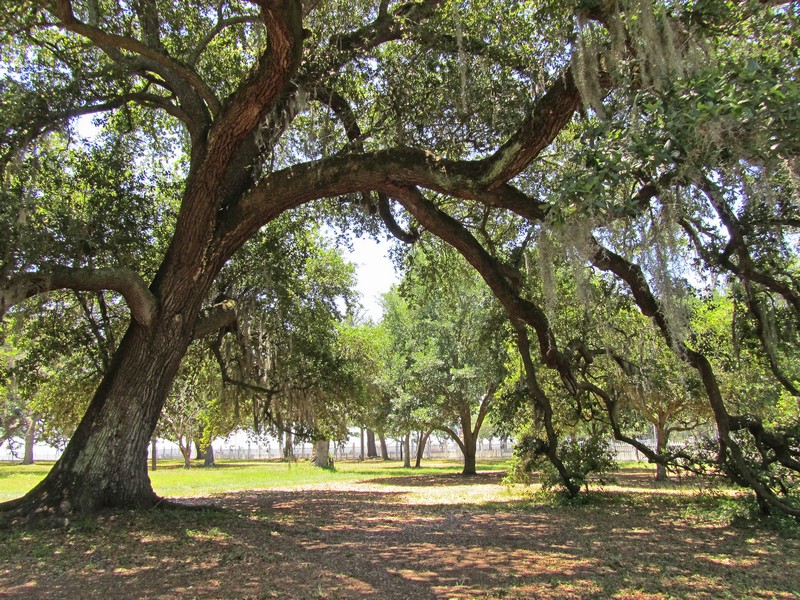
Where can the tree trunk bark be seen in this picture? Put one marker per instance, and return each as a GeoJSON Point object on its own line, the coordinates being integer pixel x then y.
{"type": "Point", "coordinates": [407, 451]}
{"type": "Point", "coordinates": [423, 439]}
{"type": "Point", "coordinates": [288, 446]}
{"type": "Point", "coordinates": [199, 453]}
{"type": "Point", "coordinates": [186, 452]}
{"type": "Point", "coordinates": [372, 450]}
{"type": "Point", "coordinates": [208, 456]}
{"type": "Point", "coordinates": [153, 458]}
{"type": "Point", "coordinates": [470, 451]}
{"type": "Point", "coordinates": [321, 456]}
{"type": "Point", "coordinates": [662, 437]}
{"type": "Point", "coordinates": [105, 461]}
{"type": "Point", "coordinates": [362, 445]}
{"type": "Point", "coordinates": [384, 447]}
{"type": "Point", "coordinates": [30, 438]}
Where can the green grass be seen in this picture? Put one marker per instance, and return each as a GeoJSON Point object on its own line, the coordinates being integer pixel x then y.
{"type": "Point", "coordinates": [172, 480]}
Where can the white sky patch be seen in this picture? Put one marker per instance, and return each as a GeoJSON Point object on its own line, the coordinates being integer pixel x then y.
{"type": "Point", "coordinates": [375, 273]}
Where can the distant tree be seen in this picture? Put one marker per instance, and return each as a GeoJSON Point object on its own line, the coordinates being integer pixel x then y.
{"type": "Point", "coordinates": [450, 338]}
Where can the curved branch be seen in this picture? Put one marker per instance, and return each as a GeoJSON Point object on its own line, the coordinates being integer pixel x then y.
{"type": "Point", "coordinates": [222, 315]}
{"type": "Point", "coordinates": [221, 26]}
{"type": "Point", "coordinates": [143, 98]}
{"type": "Point", "coordinates": [128, 283]}
{"type": "Point", "coordinates": [342, 109]}
{"type": "Point", "coordinates": [385, 211]}
{"type": "Point", "coordinates": [386, 27]}
{"type": "Point", "coordinates": [170, 69]}
{"type": "Point", "coordinates": [549, 115]}
{"type": "Point", "coordinates": [449, 431]}
{"type": "Point", "coordinates": [606, 260]}
{"type": "Point", "coordinates": [745, 270]}
{"type": "Point", "coordinates": [544, 406]}
{"type": "Point", "coordinates": [383, 170]}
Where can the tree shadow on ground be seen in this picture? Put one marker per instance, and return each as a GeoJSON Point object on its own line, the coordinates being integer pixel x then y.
{"type": "Point", "coordinates": [440, 479]}
{"type": "Point", "coordinates": [353, 544]}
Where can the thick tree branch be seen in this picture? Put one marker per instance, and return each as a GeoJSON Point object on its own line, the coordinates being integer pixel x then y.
{"type": "Point", "coordinates": [550, 114]}
{"type": "Point", "coordinates": [385, 212]}
{"type": "Point", "coordinates": [454, 436]}
{"type": "Point", "coordinates": [142, 303]}
{"type": "Point", "coordinates": [220, 316]}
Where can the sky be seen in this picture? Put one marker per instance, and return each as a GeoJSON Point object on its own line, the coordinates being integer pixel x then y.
{"type": "Point", "coordinates": [375, 273]}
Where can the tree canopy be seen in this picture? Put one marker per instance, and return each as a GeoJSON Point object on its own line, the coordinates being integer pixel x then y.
{"type": "Point", "coordinates": [650, 146]}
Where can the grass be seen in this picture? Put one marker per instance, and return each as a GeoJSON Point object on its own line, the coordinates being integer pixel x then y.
{"type": "Point", "coordinates": [172, 480]}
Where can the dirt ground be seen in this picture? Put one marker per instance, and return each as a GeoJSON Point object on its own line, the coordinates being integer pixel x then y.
{"type": "Point", "coordinates": [406, 538]}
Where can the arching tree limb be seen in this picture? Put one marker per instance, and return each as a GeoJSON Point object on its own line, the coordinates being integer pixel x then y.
{"type": "Point", "coordinates": [141, 302]}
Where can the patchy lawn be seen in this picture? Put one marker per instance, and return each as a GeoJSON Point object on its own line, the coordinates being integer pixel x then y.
{"type": "Point", "coordinates": [422, 535]}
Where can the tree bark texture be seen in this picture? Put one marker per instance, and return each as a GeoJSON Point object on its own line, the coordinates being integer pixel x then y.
{"type": "Point", "coordinates": [423, 440]}
{"type": "Point", "coordinates": [321, 456]}
{"type": "Point", "coordinates": [384, 447]}
{"type": "Point", "coordinates": [208, 458]}
{"type": "Point", "coordinates": [30, 439]}
{"type": "Point", "coordinates": [372, 450]}
{"type": "Point", "coordinates": [662, 438]}
{"type": "Point", "coordinates": [105, 461]}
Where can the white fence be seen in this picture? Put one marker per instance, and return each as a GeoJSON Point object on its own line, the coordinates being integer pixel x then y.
{"type": "Point", "coordinates": [434, 450]}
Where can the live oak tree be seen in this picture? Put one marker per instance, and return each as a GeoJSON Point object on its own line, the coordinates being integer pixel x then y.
{"type": "Point", "coordinates": [450, 342]}
{"type": "Point", "coordinates": [629, 129]}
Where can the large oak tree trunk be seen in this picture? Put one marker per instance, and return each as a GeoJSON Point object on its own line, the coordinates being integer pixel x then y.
{"type": "Point", "coordinates": [321, 456]}
{"type": "Point", "coordinates": [105, 462]}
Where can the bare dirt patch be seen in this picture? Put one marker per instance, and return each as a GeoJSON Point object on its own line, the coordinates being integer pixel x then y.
{"type": "Point", "coordinates": [416, 537]}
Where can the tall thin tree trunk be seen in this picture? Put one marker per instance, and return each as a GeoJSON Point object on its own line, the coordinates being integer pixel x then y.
{"type": "Point", "coordinates": [423, 440]}
{"type": "Point", "coordinates": [407, 451]}
{"type": "Point", "coordinates": [30, 438]}
{"type": "Point", "coordinates": [186, 452]}
{"type": "Point", "coordinates": [662, 438]}
{"type": "Point", "coordinates": [288, 446]}
{"type": "Point", "coordinates": [384, 447]}
{"type": "Point", "coordinates": [372, 450]}
{"type": "Point", "coordinates": [362, 445]}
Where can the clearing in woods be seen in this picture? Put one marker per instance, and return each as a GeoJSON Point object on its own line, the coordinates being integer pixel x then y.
{"type": "Point", "coordinates": [374, 530]}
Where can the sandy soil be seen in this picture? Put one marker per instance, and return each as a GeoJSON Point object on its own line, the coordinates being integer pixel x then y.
{"type": "Point", "coordinates": [405, 538]}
